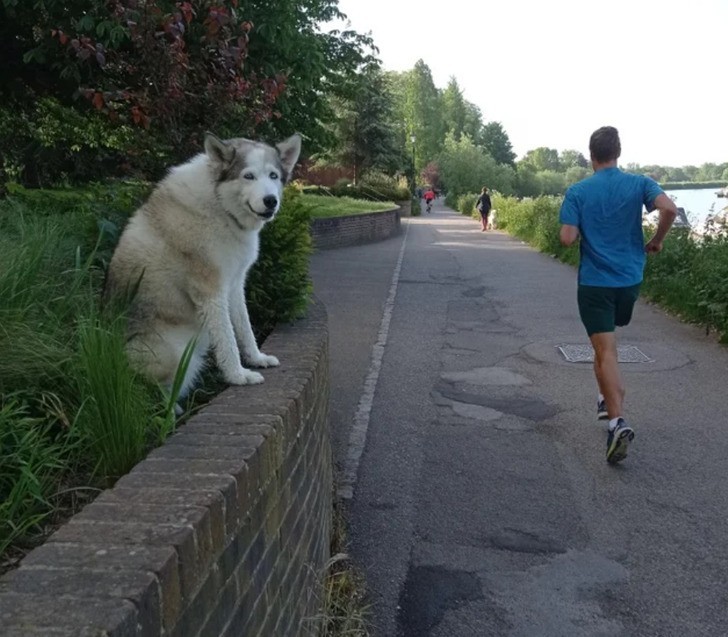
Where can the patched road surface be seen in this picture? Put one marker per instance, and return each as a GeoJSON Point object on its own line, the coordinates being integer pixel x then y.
{"type": "Point", "coordinates": [480, 501]}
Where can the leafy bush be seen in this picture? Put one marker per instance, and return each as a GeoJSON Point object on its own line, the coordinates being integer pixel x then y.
{"type": "Point", "coordinates": [690, 277]}
{"type": "Point", "coordinates": [48, 143]}
{"type": "Point", "coordinates": [466, 204]}
{"type": "Point", "coordinates": [374, 187]}
{"type": "Point", "coordinates": [536, 221]}
{"type": "Point", "coordinates": [164, 71]}
{"type": "Point", "coordinates": [416, 209]}
{"type": "Point", "coordinates": [278, 286]}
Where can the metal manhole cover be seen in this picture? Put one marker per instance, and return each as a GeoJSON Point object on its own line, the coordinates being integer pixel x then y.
{"type": "Point", "coordinates": [585, 354]}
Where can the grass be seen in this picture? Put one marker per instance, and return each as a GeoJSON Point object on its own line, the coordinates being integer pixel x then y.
{"type": "Point", "coordinates": [73, 415]}
{"type": "Point", "coordinates": [324, 206]}
{"type": "Point", "coordinates": [344, 608]}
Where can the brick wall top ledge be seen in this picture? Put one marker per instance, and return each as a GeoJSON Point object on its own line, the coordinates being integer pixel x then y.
{"type": "Point", "coordinates": [191, 539]}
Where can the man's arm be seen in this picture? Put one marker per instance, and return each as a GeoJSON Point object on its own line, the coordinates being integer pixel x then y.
{"type": "Point", "coordinates": [668, 212]}
{"type": "Point", "coordinates": [568, 234]}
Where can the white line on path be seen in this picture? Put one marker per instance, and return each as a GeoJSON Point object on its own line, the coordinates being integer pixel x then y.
{"type": "Point", "coordinates": [360, 426]}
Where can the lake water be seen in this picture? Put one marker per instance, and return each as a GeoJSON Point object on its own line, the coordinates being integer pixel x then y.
{"type": "Point", "coordinates": [698, 203]}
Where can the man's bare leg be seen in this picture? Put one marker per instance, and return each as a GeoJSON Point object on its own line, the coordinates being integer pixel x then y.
{"type": "Point", "coordinates": [606, 368]}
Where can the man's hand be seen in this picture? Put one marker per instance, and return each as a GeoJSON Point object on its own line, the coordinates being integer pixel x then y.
{"type": "Point", "coordinates": [568, 234]}
{"type": "Point", "coordinates": [653, 246]}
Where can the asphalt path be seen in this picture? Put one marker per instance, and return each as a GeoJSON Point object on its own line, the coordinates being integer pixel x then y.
{"type": "Point", "coordinates": [471, 461]}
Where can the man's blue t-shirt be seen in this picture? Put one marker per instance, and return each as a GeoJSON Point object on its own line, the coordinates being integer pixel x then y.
{"type": "Point", "coordinates": [607, 209]}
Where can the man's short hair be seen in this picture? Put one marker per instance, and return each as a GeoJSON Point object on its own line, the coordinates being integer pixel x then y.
{"type": "Point", "coordinates": [604, 144]}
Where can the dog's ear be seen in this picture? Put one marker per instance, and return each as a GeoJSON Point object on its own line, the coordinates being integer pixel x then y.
{"type": "Point", "coordinates": [289, 150]}
{"type": "Point", "coordinates": [218, 150]}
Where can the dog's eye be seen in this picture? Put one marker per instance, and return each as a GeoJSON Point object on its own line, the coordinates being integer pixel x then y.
{"type": "Point", "coordinates": [273, 175]}
{"type": "Point", "coordinates": [248, 176]}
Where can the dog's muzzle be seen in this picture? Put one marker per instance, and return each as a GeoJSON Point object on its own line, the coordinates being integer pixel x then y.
{"type": "Point", "coordinates": [268, 214]}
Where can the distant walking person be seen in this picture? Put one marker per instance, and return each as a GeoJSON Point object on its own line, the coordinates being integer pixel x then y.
{"type": "Point", "coordinates": [429, 198]}
{"type": "Point", "coordinates": [483, 206]}
{"type": "Point", "coordinates": [605, 211]}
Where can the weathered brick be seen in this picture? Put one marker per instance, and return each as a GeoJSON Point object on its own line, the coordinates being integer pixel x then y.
{"type": "Point", "coordinates": [223, 513]}
{"type": "Point", "coordinates": [47, 611]}
{"type": "Point", "coordinates": [76, 586]}
{"type": "Point", "coordinates": [193, 561]}
{"type": "Point", "coordinates": [230, 426]}
{"type": "Point", "coordinates": [215, 452]}
{"type": "Point", "coordinates": [160, 560]}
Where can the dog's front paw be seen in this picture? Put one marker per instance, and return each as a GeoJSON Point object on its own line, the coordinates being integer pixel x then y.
{"type": "Point", "coordinates": [263, 360]}
{"type": "Point", "coordinates": [244, 377]}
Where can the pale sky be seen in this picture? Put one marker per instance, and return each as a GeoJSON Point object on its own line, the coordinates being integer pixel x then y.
{"type": "Point", "coordinates": [553, 71]}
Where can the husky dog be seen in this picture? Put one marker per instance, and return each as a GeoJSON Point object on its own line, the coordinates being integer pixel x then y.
{"type": "Point", "coordinates": [185, 253]}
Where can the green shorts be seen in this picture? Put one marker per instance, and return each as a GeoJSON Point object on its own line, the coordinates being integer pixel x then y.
{"type": "Point", "coordinates": [601, 309]}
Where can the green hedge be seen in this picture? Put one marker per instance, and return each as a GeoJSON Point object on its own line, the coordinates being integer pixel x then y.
{"type": "Point", "coordinates": [689, 277]}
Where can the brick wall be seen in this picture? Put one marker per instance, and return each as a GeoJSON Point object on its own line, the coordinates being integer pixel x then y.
{"type": "Point", "coordinates": [223, 531]}
{"type": "Point", "coordinates": [337, 232]}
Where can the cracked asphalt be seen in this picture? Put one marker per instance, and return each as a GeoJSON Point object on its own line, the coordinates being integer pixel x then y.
{"type": "Point", "coordinates": [483, 504]}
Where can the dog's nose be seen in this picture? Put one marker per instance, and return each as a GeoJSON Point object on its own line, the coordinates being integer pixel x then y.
{"type": "Point", "coordinates": [270, 202]}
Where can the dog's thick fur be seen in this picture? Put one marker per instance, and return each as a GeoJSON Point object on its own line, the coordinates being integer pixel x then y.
{"type": "Point", "coordinates": [185, 253]}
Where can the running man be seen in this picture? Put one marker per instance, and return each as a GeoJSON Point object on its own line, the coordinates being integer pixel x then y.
{"type": "Point", "coordinates": [605, 212]}
{"type": "Point", "coordinates": [429, 198]}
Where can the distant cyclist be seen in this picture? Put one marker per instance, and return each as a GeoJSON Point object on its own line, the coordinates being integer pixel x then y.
{"type": "Point", "coordinates": [429, 198]}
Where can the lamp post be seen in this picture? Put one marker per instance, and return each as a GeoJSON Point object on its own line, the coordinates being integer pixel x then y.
{"type": "Point", "coordinates": [413, 139]}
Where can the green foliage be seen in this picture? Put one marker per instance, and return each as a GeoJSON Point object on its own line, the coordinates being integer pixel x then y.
{"type": "Point", "coordinates": [48, 143]}
{"type": "Point", "coordinates": [453, 109]}
{"type": "Point", "coordinates": [420, 107]}
{"type": "Point", "coordinates": [374, 186]}
{"type": "Point", "coordinates": [157, 74]}
{"type": "Point", "coordinates": [690, 185]}
{"type": "Point", "coordinates": [532, 183]}
{"type": "Point", "coordinates": [60, 367]}
{"type": "Point", "coordinates": [278, 286]}
{"type": "Point", "coordinates": [536, 221]}
{"type": "Point", "coordinates": [466, 204]}
{"type": "Point", "coordinates": [416, 207]}
{"type": "Point", "coordinates": [116, 406]}
{"type": "Point", "coordinates": [33, 456]}
{"type": "Point", "coordinates": [364, 126]}
{"type": "Point", "coordinates": [690, 277]}
{"type": "Point", "coordinates": [497, 144]}
{"type": "Point", "coordinates": [466, 168]}
{"type": "Point", "coordinates": [542, 158]}
{"type": "Point", "coordinates": [695, 176]}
